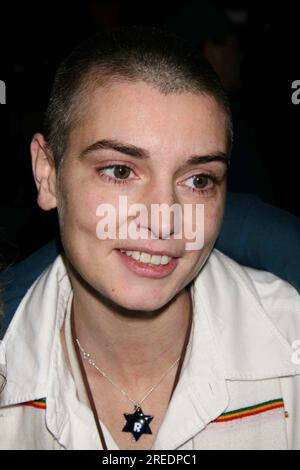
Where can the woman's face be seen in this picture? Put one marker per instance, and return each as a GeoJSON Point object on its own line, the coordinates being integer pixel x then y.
{"type": "Point", "coordinates": [135, 142]}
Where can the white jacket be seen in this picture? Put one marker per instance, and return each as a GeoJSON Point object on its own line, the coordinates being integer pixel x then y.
{"type": "Point", "coordinates": [239, 386]}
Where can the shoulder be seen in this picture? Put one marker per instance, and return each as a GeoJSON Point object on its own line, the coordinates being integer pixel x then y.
{"type": "Point", "coordinates": [22, 427]}
{"type": "Point", "coordinates": [279, 299]}
{"type": "Point", "coordinates": [15, 281]}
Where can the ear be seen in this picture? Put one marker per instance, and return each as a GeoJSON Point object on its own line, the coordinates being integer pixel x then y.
{"type": "Point", "coordinates": [44, 172]}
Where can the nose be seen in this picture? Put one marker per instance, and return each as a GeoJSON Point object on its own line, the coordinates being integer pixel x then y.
{"type": "Point", "coordinates": [163, 210]}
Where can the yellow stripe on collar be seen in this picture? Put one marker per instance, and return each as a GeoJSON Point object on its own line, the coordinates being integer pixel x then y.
{"type": "Point", "coordinates": [41, 403]}
{"type": "Point", "coordinates": [250, 410]}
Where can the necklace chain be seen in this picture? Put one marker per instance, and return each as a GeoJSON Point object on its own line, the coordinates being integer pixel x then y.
{"type": "Point", "coordinates": [136, 404]}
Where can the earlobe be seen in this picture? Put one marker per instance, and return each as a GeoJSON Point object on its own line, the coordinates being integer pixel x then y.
{"type": "Point", "coordinates": [44, 172]}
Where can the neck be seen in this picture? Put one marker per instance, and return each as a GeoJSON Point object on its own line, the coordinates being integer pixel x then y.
{"type": "Point", "coordinates": [132, 348]}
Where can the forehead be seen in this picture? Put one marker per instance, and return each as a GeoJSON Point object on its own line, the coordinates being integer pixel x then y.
{"type": "Point", "coordinates": [137, 113]}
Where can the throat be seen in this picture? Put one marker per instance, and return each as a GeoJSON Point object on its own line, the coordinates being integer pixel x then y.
{"type": "Point", "coordinates": [141, 349]}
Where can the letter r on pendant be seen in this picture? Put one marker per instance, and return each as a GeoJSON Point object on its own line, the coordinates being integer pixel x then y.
{"type": "Point", "coordinates": [137, 427]}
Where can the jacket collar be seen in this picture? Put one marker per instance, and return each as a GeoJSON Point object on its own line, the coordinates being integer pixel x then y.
{"type": "Point", "coordinates": [31, 341]}
{"type": "Point", "coordinates": [241, 339]}
{"type": "Point", "coordinates": [249, 344]}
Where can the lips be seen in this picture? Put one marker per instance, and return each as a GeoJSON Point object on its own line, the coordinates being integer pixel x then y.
{"type": "Point", "coordinates": [150, 251]}
{"type": "Point", "coordinates": [146, 269]}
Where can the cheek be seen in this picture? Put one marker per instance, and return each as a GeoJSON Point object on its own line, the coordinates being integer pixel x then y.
{"type": "Point", "coordinates": [212, 219]}
{"type": "Point", "coordinates": [215, 210]}
{"type": "Point", "coordinates": [77, 212]}
{"type": "Point", "coordinates": [207, 218]}
{"type": "Point", "coordinates": [213, 214]}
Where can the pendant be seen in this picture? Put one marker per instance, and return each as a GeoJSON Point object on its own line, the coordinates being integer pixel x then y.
{"type": "Point", "coordinates": [137, 423]}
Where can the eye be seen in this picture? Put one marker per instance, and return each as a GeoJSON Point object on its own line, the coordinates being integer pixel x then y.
{"type": "Point", "coordinates": [201, 182]}
{"type": "Point", "coordinates": [116, 173]}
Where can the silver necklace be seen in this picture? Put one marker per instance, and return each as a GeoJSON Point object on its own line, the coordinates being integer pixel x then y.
{"type": "Point", "coordinates": [137, 423]}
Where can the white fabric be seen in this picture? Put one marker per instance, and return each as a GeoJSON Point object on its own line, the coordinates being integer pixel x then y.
{"type": "Point", "coordinates": [239, 355]}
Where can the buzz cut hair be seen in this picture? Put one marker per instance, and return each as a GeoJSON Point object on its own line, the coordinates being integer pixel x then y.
{"type": "Point", "coordinates": [169, 63]}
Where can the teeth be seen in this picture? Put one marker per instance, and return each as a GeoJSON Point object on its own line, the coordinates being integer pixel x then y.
{"type": "Point", "coordinates": [146, 258]}
{"type": "Point", "coordinates": [155, 259]}
{"type": "Point", "coordinates": [135, 255]}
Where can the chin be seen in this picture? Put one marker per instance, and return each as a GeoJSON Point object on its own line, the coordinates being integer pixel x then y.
{"type": "Point", "coordinates": [140, 303]}
{"type": "Point", "coordinates": [145, 305]}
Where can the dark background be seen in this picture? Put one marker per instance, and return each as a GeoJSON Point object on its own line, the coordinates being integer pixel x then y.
{"type": "Point", "coordinates": [35, 36]}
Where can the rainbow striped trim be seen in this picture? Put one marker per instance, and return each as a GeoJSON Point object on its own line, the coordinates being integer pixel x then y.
{"type": "Point", "coordinates": [250, 410]}
{"type": "Point", "coordinates": [41, 404]}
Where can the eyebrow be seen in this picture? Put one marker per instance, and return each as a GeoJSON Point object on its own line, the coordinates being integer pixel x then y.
{"type": "Point", "coordinates": [137, 152]}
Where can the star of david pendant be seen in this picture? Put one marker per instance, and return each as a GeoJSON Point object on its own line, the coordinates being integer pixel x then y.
{"type": "Point", "coordinates": [137, 423]}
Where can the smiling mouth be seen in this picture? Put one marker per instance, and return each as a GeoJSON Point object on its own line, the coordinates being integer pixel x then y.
{"type": "Point", "coordinates": [146, 265]}
{"type": "Point", "coordinates": [146, 258]}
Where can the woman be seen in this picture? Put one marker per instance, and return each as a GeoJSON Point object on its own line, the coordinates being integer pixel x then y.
{"type": "Point", "coordinates": [136, 337]}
